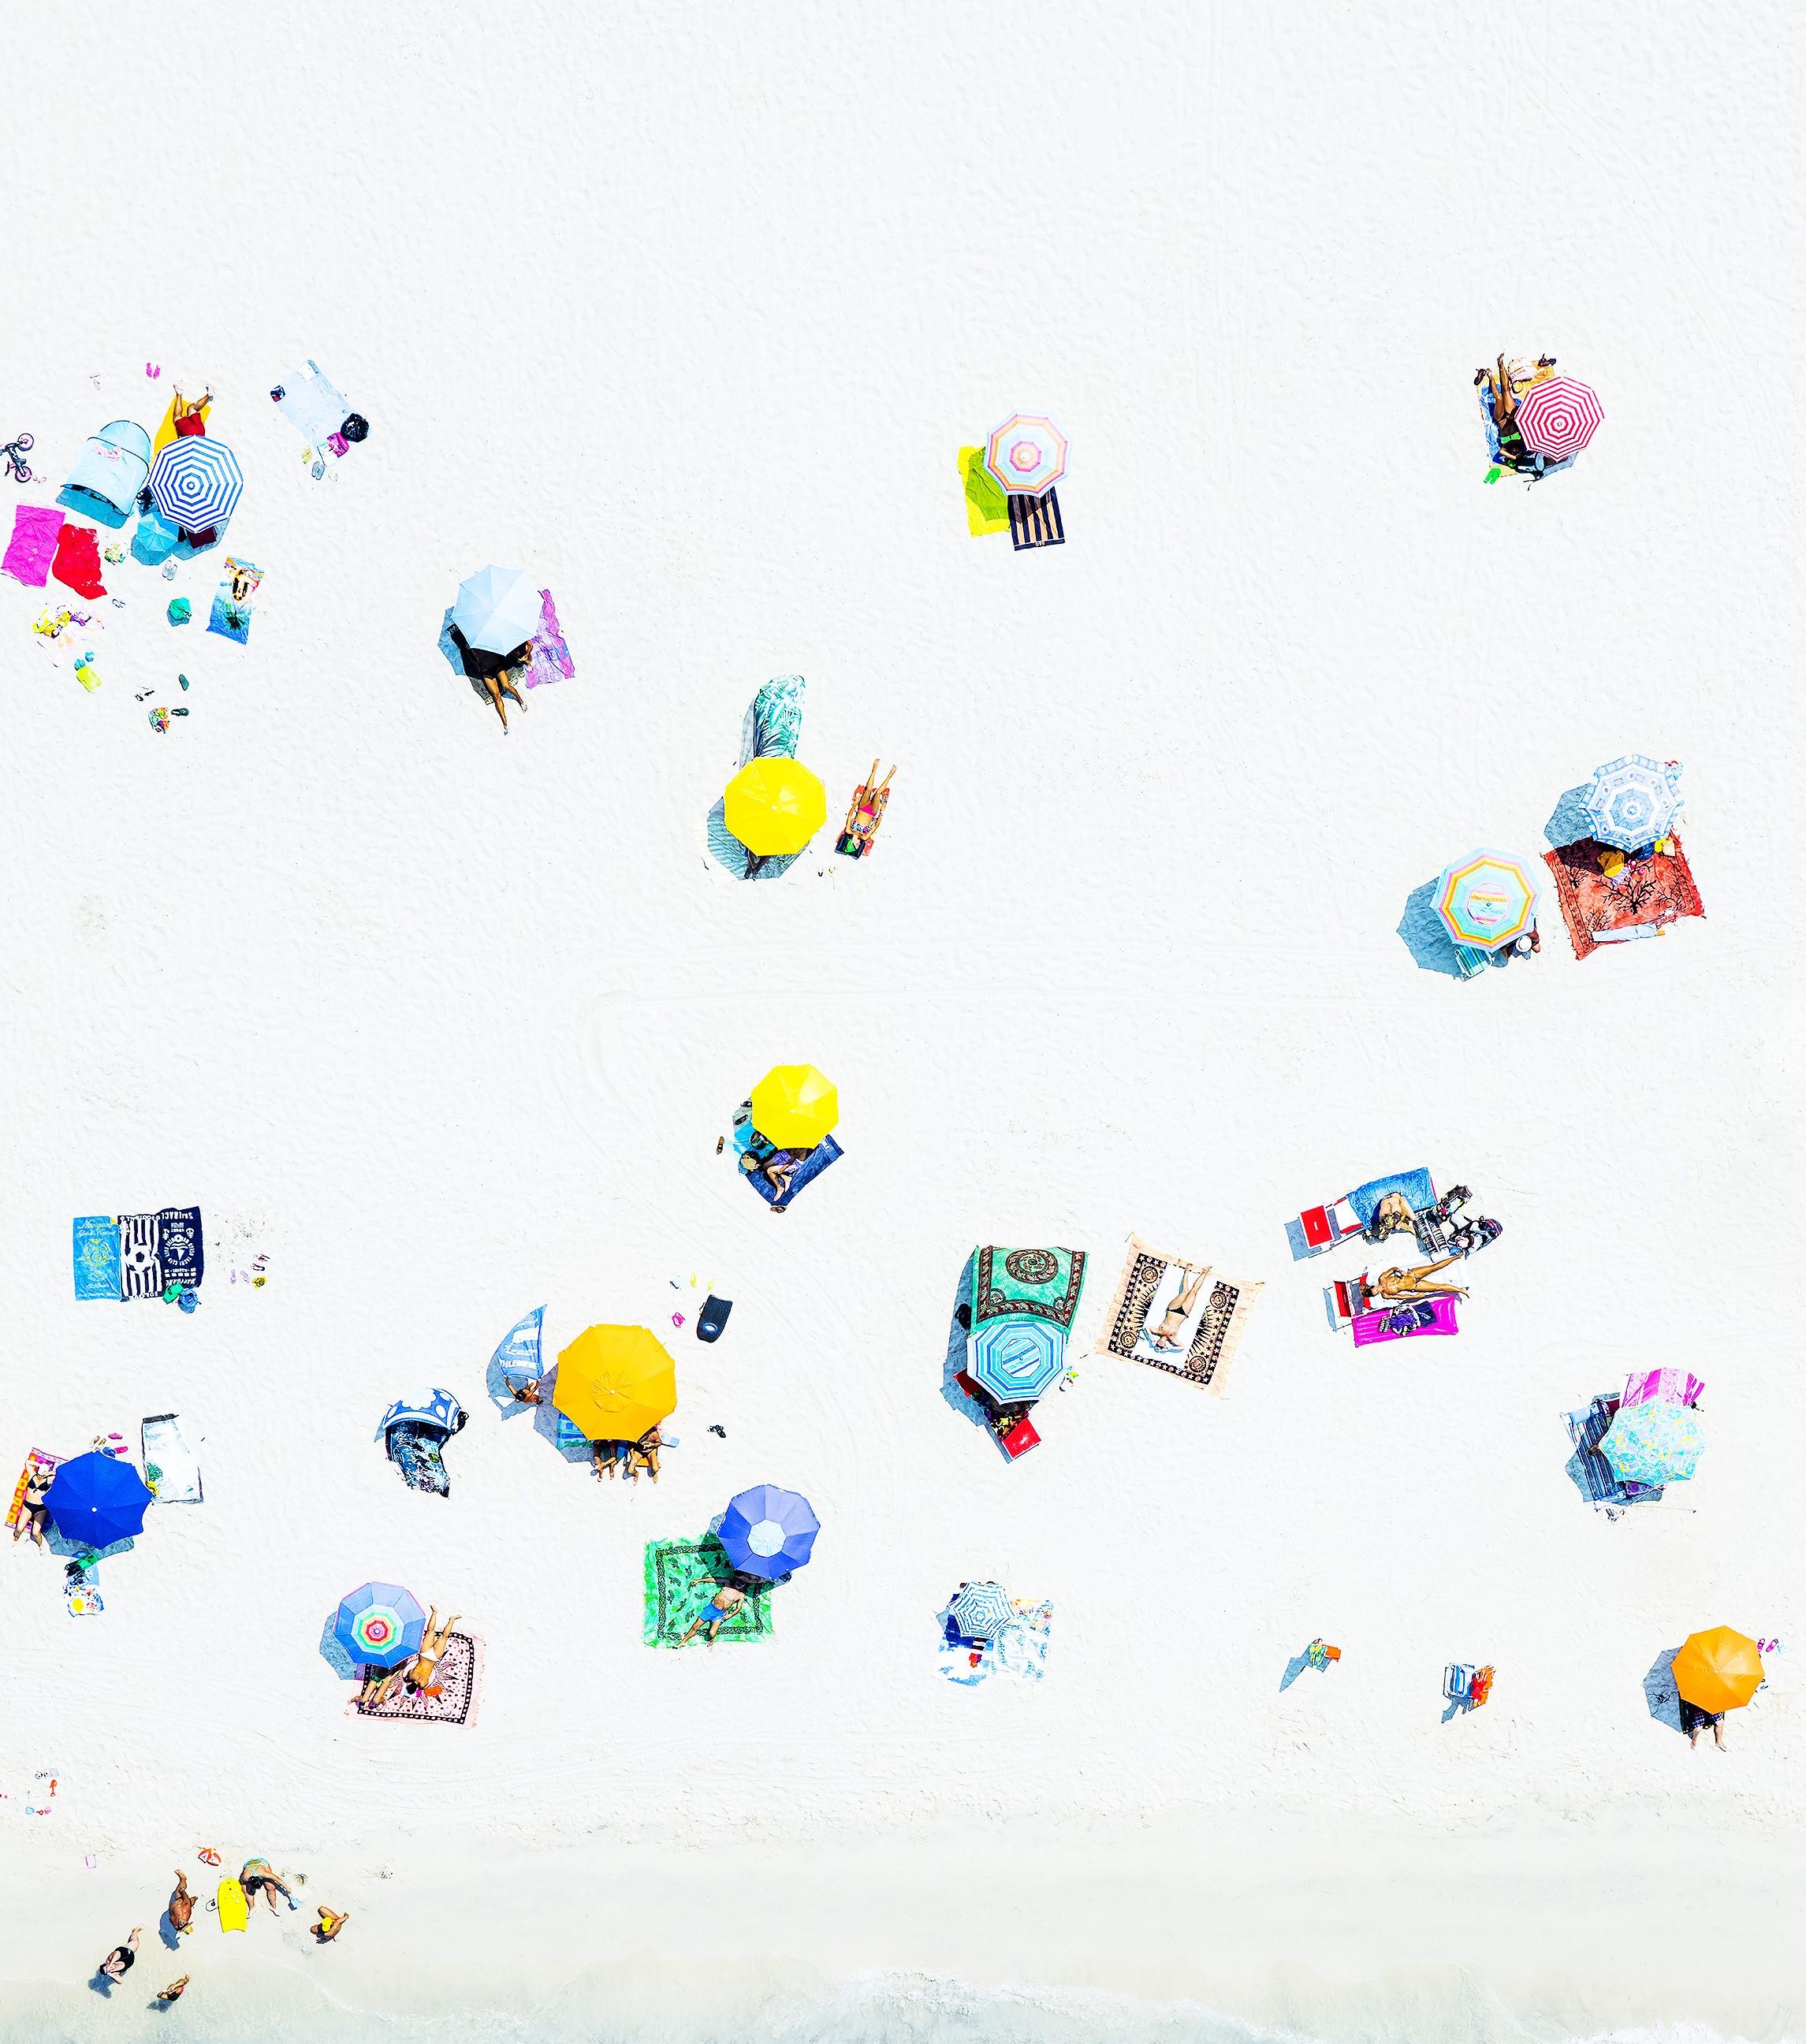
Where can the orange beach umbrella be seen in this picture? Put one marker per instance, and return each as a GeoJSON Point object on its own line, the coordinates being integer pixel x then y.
{"type": "Point", "coordinates": [1719, 1671]}
{"type": "Point", "coordinates": [615, 1383]}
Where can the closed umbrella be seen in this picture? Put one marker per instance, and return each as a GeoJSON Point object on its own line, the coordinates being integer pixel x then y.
{"type": "Point", "coordinates": [768, 1531]}
{"type": "Point", "coordinates": [794, 1106]}
{"type": "Point", "coordinates": [981, 1611]}
{"type": "Point", "coordinates": [1633, 801]}
{"type": "Point", "coordinates": [1719, 1670]}
{"type": "Point", "coordinates": [97, 1498]}
{"type": "Point", "coordinates": [1559, 417]}
{"type": "Point", "coordinates": [615, 1382]}
{"type": "Point", "coordinates": [1017, 1359]}
{"type": "Point", "coordinates": [774, 806]}
{"type": "Point", "coordinates": [379, 1624]}
{"type": "Point", "coordinates": [497, 609]}
{"type": "Point", "coordinates": [1026, 455]}
{"type": "Point", "coordinates": [1487, 900]}
{"type": "Point", "coordinates": [195, 483]}
{"type": "Point", "coordinates": [1654, 1442]}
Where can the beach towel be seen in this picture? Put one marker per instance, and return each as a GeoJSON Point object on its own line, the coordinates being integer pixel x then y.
{"type": "Point", "coordinates": [1176, 1316]}
{"type": "Point", "coordinates": [773, 726]}
{"type": "Point", "coordinates": [416, 1451]}
{"type": "Point", "coordinates": [44, 1464]}
{"type": "Point", "coordinates": [96, 1251]}
{"type": "Point", "coordinates": [308, 401]}
{"type": "Point", "coordinates": [1647, 895]}
{"type": "Point", "coordinates": [1319, 1228]}
{"type": "Point", "coordinates": [1035, 521]}
{"type": "Point", "coordinates": [141, 1274]}
{"type": "Point", "coordinates": [552, 658]}
{"type": "Point", "coordinates": [517, 1353]}
{"type": "Point", "coordinates": [1586, 1429]}
{"type": "Point", "coordinates": [750, 1145]}
{"type": "Point", "coordinates": [1020, 1651]}
{"type": "Point", "coordinates": [77, 562]}
{"type": "Point", "coordinates": [1675, 1387]}
{"type": "Point", "coordinates": [169, 1468]}
{"type": "Point", "coordinates": [681, 1576]}
{"type": "Point", "coordinates": [33, 547]}
{"type": "Point", "coordinates": [459, 1686]}
{"type": "Point", "coordinates": [231, 615]}
{"type": "Point", "coordinates": [987, 509]}
{"type": "Point", "coordinates": [567, 1434]}
{"type": "Point", "coordinates": [1044, 1284]}
{"type": "Point", "coordinates": [179, 1247]}
{"type": "Point", "coordinates": [1419, 1316]}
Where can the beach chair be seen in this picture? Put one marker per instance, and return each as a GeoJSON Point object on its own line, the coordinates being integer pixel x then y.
{"type": "Point", "coordinates": [1457, 1682]}
{"type": "Point", "coordinates": [1019, 1439]}
{"type": "Point", "coordinates": [865, 813]}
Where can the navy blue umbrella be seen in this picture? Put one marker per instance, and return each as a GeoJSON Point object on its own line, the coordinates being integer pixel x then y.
{"type": "Point", "coordinates": [97, 1499]}
{"type": "Point", "coordinates": [768, 1531]}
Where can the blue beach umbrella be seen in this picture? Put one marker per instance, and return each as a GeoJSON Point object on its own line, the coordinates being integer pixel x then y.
{"type": "Point", "coordinates": [1015, 1359]}
{"type": "Point", "coordinates": [981, 1611]}
{"type": "Point", "coordinates": [97, 1498]}
{"type": "Point", "coordinates": [196, 483]}
{"type": "Point", "coordinates": [1633, 801]}
{"type": "Point", "coordinates": [768, 1531]}
{"type": "Point", "coordinates": [380, 1625]}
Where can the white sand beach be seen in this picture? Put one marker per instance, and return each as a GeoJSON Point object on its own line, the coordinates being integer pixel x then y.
{"type": "Point", "coordinates": [689, 314]}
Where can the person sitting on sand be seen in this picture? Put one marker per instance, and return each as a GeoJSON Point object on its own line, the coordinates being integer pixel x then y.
{"type": "Point", "coordinates": [181, 1904]}
{"type": "Point", "coordinates": [608, 1457]}
{"type": "Point", "coordinates": [643, 1454]}
{"type": "Point", "coordinates": [1396, 1285]}
{"type": "Point", "coordinates": [527, 1393]}
{"type": "Point", "coordinates": [122, 1958]}
{"type": "Point", "coordinates": [422, 1672]}
{"type": "Point", "coordinates": [379, 1685]}
{"type": "Point", "coordinates": [1694, 1721]}
{"type": "Point", "coordinates": [175, 1990]}
{"type": "Point", "coordinates": [1392, 1216]}
{"type": "Point", "coordinates": [329, 1926]}
{"type": "Point", "coordinates": [258, 1875]}
{"type": "Point", "coordinates": [720, 1608]}
{"type": "Point", "coordinates": [34, 1514]}
{"type": "Point", "coordinates": [186, 414]}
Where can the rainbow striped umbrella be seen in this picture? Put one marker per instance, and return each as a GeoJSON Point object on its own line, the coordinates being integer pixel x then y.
{"type": "Point", "coordinates": [1487, 900]}
{"type": "Point", "coordinates": [196, 483]}
{"type": "Point", "coordinates": [1557, 418]}
{"type": "Point", "coordinates": [1026, 455]}
{"type": "Point", "coordinates": [379, 1625]}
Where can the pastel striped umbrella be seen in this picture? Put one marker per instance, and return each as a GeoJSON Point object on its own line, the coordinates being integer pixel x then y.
{"type": "Point", "coordinates": [1654, 1442]}
{"type": "Point", "coordinates": [1017, 1357]}
{"type": "Point", "coordinates": [379, 1624]}
{"type": "Point", "coordinates": [1633, 801]}
{"type": "Point", "coordinates": [196, 483]}
{"type": "Point", "coordinates": [1557, 418]}
{"type": "Point", "coordinates": [1487, 899]}
{"type": "Point", "coordinates": [1026, 454]}
{"type": "Point", "coordinates": [981, 1611]}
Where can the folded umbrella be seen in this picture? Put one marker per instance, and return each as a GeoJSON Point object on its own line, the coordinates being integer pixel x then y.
{"type": "Point", "coordinates": [97, 1499]}
{"type": "Point", "coordinates": [768, 1531]}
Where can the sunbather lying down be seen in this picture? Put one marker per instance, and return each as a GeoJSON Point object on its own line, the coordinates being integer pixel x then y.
{"type": "Point", "coordinates": [1396, 1285]}
{"type": "Point", "coordinates": [422, 1672]}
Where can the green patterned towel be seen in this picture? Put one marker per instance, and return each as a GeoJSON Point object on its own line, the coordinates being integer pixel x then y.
{"type": "Point", "coordinates": [680, 1577]}
{"type": "Point", "coordinates": [1042, 1283]}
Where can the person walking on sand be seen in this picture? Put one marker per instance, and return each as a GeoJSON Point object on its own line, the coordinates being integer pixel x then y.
{"type": "Point", "coordinates": [176, 1989]}
{"type": "Point", "coordinates": [720, 1608]}
{"type": "Point", "coordinates": [331, 1923]}
{"type": "Point", "coordinates": [259, 1874]}
{"type": "Point", "coordinates": [122, 1958]}
{"type": "Point", "coordinates": [181, 1904]}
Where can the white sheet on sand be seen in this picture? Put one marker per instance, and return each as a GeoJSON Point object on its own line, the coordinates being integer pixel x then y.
{"type": "Point", "coordinates": [169, 1468]}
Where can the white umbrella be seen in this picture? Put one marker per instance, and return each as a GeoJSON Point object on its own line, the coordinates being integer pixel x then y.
{"type": "Point", "coordinates": [497, 609]}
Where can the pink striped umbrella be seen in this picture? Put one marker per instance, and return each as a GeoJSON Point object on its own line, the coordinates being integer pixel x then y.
{"type": "Point", "coordinates": [1559, 417]}
{"type": "Point", "coordinates": [1669, 1387]}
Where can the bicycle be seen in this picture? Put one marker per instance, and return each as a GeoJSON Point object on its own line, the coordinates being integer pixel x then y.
{"type": "Point", "coordinates": [12, 450]}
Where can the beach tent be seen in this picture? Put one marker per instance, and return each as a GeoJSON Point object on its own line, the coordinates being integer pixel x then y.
{"type": "Point", "coordinates": [981, 1611]}
{"type": "Point", "coordinates": [497, 609]}
{"type": "Point", "coordinates": [774, 806]}
{"type": "Point", "coordinates": [1654, 1441]}
{"type": "Point", "coordinates": [1719, 1670]}
{"type": "Point", "coordinates": [97, 1499]}
{"type": "Point", "coordinates": [379, 1624]}
{"type": "Point", "coordinates": [768, 1531]}
{"type": "Point", "coordinates": [794, 1106]}
{"type": "Point", "coordinates": [615, 1383]}
{"type": "Point", "coordinates": [1016, 1358]}
{"type": "Point", "coordinates": [115, 465]}
{"type": "Point", "coordinates": [1487, 900]}
{"type": "Point", "coordinates": [1633, 801]}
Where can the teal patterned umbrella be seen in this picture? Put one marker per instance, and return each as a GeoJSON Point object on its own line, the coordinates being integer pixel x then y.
{"type": "Point", "coordinates": [1654, 1442]}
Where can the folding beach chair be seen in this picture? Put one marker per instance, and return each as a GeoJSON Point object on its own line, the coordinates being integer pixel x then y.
{"type": "Point", "coordinates": [1457, 1682]}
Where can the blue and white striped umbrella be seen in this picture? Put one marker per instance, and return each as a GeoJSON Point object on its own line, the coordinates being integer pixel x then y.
{"type": "Point", "coordinates": [1017, 1357]}
{"type": "Point", "coordinates": [981, 1611]}
{"type": "Point", "coordinates": [196, 483]}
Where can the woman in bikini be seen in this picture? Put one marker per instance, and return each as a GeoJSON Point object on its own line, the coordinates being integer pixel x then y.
{"type": "Point", "coordinates": [186, 414]}
{"type": "Point", "coordinates": [1397, 1285]}
{"type": "Point", "coordinates": [1166, 1337]}
{"type": "Point", "coordinates": [33, 1513]}
{"type": "Point", "coordinates": [423, 1670]}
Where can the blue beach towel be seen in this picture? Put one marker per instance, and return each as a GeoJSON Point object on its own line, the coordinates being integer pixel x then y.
{"type": "Point", "coordinates": [97, 1256]}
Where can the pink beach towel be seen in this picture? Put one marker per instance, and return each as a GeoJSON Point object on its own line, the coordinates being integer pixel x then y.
{"type": "Point", "coordinates": [33, 547]}
{"type": "Point", "coordinates": [1393, 1323]}
{"type": "Point", "coordinates": [1671, 1387]}
{"type": "Point", "coordinates": [552, 658]}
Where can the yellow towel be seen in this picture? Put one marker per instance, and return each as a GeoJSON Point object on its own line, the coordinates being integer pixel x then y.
{"type": "Point", "coordinates": [987, 509]}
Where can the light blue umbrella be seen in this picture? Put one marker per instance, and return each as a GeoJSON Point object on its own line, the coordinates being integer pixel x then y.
{"type": "Point", "coordinates": [195, 483]}
{"type": "Point", "coordinates": [768, 1531]}
{"type": "Point", "coordinates": [981, 1611]}
{"type": "Point", "coordinates": [1017, 1357]}
{"type": "Point", "coordinates": [497, 609]}
{"type": "Point", "coordinates": [1654, 1442]}
{"type": "Point", "coordinates": [380, 1625]}
{"type": "Point", "coordinates": [1633, 801]}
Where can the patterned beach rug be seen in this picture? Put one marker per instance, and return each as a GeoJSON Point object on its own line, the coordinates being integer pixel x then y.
{"type": "Point", "coordinates": [1021, 1650]}
{"type": "Point", "coordinates": [461, 1680]}
{"type": "Point", "coordinates": [1647, 895]}
{"type": "Point", "coordinates": [680, 1577]}
{"type": "Point", "coordinates": [1185, 1319]}
{"type": "Point", "coordinates": [44, 1465]}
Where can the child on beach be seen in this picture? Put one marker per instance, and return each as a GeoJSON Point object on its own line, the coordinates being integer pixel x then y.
{"type": "Point", "coordinates": [175, 1990]}
{"type": "Point", "coordinates": [329, 1926]}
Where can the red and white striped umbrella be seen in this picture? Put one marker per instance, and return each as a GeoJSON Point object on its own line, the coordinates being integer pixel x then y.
{"type": "Point", "coordinates": [1559, 417]}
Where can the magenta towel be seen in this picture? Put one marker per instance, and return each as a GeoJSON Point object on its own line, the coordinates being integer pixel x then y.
{"type": "Point", "coordinates": [33, 547]}
{"type": "Point", "coordinates": [1401, 1323]}
{"type": "Point", "coordinates": [552, 657]}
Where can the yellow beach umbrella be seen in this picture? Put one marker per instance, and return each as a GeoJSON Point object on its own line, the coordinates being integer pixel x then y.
{"type": "Point", "coordinates": [774, 806]}
{"type": "Point", "coordinates": [615, 1383]}
{"type": "Point", "coordinates": [794, 1106]}
{"type": "Point", "coordinates": [1719, 1670]}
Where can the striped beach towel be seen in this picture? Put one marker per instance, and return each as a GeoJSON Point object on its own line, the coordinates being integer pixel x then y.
{"type": "Point", "coordinates": [1586, 1429]}
{"type": "Point", "coordinates": [1034, 521]}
